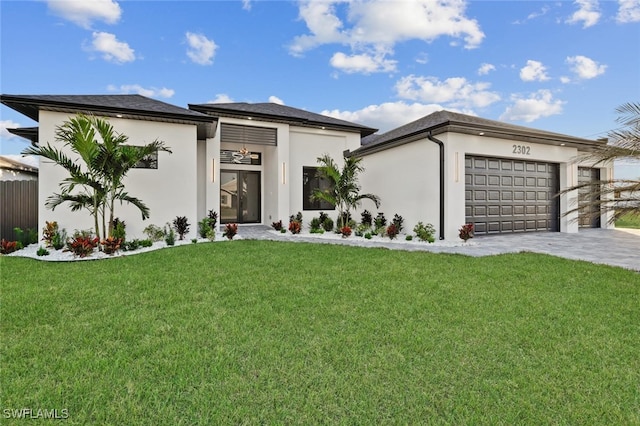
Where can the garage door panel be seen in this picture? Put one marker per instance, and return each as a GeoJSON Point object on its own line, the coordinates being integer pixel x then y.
{"type": "Point", "coordinates": [509, 195]}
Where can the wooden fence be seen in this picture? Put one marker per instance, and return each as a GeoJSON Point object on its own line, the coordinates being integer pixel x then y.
{"type": "Point", "coordinates": [18, 207]}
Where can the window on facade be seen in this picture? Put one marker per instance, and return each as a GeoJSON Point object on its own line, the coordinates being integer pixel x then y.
{"type": "Point", "coordinates": [312, 180]}
{"type": "Point", "coordinates": [148, 162]}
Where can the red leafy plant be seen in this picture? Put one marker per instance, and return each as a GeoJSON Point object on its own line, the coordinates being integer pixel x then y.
{"type": "Point", "coordinates": [466, 231]}
{"type": "Point", "coordinates": [230, 230]}
{"type": "Point", "coordinates": [82, 245]}
{"type": "Point", "coordinates": [345, 231]}
{"type": "Point", "coordinates": [111, 245]}
{"type": "Point", "coordinates": [294, 227]}
{"type": "Point", "coordinates": [277, 225]}
{"type": "Point", "coordinates": [392, 231]}
{"type": "Point", "coordinates": [7, 247]}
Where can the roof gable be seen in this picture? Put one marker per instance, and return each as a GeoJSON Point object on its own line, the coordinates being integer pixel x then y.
{"type": "Point", "coordinates": [279, 113]}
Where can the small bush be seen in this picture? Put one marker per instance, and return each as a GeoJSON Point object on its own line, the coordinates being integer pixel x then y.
{"type": "Point", "coordinates": [230, 230]}
{"type": "Point", "coordinates": [82, 244]}
{"type": "Point", "coordinates": [398, 221]}
{"type": "Point", "coordinates": [194, 240]}
{"type": "Point", "coordinates": [294, 227]}
{"type": "Point", "coordinates": [367, 235]}
{"type": "Point", "coordinates": [7, 247]}
{"type": "Point", "coordinates": [315, 224]}
{"type": "Point", "coordinates": [211, 235]}
{"type": "Point", "coordinates": [283, 231]}
{"type": "Point", "coordinates": [392, 231]}
{"type": "Point", "coordinates": [425, 232]}
{"type": "Point", "coordinates": [296, 218]}
{"type": "Point", "coordinates": [277, 225]}
{"type": "Point", "coordinates": [30, 236]}
{"type": "Point", "coordinates": [48, 232]}
{"type": "Point", "coordinates": [213, 219]}
{"type": "Point", "coordinates": [408, 238]}
{"type": "Point", "coordinates": [154, 233]}
{"type": "Point", "coordinates": [42, 251]}
{"type": "Point", "coordinates": [131, 245]}
{"type": "Point", "coordinates": [111, 245]}
{"type": "Point", "coordinates": [466, 231]}
{"type": "Point", "coordinates": [323, 217]}
{"type": "Point", "coordinates": [119, 229]}
{"type": "Point", "coordinates": [59, 239]}
{"type": "Point", "coordinates": [205, 226]}
{"type": "Point", "coordinates": [327, 224]}
{"type": "Point", "coordinates": [181, 225]}
{"type": "Point", "coordinates": [345, 231]}
{"type": "Point", "coordinates": [146, 243]}
{"type": "Point", "coordinates": [366, 218]}
{"type": "Point", "coordinates": [169, 236]}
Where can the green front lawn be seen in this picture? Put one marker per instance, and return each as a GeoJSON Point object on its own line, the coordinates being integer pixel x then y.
{"type": "Point", "coordinates": [629, 221]}
{"type": "Point", "coordinates": [258, 332]}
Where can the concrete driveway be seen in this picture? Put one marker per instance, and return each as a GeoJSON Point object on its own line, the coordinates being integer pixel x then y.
{"type": "Point", "coordinates": [616, 247]}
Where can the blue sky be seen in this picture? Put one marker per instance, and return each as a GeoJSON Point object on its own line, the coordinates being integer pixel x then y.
{"type": "Point", "coordinates": [562, 66]}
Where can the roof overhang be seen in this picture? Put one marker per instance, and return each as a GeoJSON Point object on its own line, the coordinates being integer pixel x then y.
{"type": "Point", "coordinates": [521, 135]}
{"type": "Point", "coordinates": [30, 133]}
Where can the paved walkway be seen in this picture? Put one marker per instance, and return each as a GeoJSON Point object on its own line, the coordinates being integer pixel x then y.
{"type": "Point", "coordinates": [616, 247]}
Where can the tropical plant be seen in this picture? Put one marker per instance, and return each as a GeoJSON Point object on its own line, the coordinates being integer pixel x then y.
{"type": "Point", "coordinates": [181, 225]}
{"type": "Point", "coordinates": [110, 245]}
{"type": "Point", "coordinates": [42, 251]}
{"type": "Point", "coordinates": [466, 231]}
{"type": "Point", "coordinates": [119, 229]}
{"type": "Point", "coordinates": [205, 227]}
{"type": "Point", "coordinates": [366, 218]}
{"type": "Point", "coordinates": [154, 233]}
{"type": "Point", "coordinates": [621, 197]}
{"type": "Point", "coordinates": [345, 231]}
{"type": "Point", "coordinates": [344, 190]}
{"type": "Point", "coordinates": [96, 182]}
{"type": "Point", "coordinates": [59, 239]}
{"type": "Point", "coordinates": [48, 232]}
{"type": "Point", "coordinates": [380, 221]}
{"type": "Point", "coordinates": [425, 232]}
{"type": "Point", "coordinates": [230, 230]}
{"type": "Point", "coordinates": [7, 247]}
{"type": "Point", "coordinates": [392, 231]}
{"type": "Point", "coordinates": [398, 221]}
{"type": "Point", "coordinates": [30, 236]}
{"type": "Point", "coordinates": [169, 235]}
{"type": "Point", "coordinates": [82, 244]}
{"type": "Point", "coordinates": [294, 227]}
{"type": "Point", "coordinates": [277, 225]}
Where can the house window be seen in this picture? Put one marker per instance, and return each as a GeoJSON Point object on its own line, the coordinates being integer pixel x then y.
{"type": "Point", "coordinates": [148, 162]}
{"type": "Point", "coordinates": [312, 180]}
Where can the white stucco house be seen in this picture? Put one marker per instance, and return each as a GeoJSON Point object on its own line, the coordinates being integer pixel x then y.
{"type": "Point", "coordinates": [252, 163]}
{"type": "Point", "coordinates": [449, 169]}
{"type": "Point", "coordinates": [256, 164]}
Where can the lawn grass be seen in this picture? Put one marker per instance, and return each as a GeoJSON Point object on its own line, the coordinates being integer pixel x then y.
{"type": "Point", "coordinates": [259, 332]}
{"type": "Point", "coordinates": [628, 221]}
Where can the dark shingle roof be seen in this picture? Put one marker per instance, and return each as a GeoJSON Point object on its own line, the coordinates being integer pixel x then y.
{"type": "Point", "coordinates": [447, 121]}
{"type": "Point", "coordinates": [277, 112]}
{"type": "Point", "coordinates": [134, 105]}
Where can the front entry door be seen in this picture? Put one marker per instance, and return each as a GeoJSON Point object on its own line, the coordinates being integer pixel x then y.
{"type": "Point", "coordinates": [239, 196]}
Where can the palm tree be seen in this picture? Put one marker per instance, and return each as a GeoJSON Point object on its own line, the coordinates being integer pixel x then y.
{"type": "Point", "coordinates": [97, 183]}
{"type": "Point", "coordinates": [344, 191]}
{"type": "Point", "coordinates": [619, 196]}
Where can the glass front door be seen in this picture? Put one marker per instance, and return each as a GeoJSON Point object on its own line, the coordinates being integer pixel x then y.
{"type": "Point", "coordinates": [239, 196]}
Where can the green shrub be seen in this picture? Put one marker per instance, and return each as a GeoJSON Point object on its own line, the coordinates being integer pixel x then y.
{"type": "Point", "coordinates": [59, 239]}
{"type": "Point", "coordinates": [131, 245]}
{"type": "Point", "coordinates": [146, 243]}
{"type": "Point", "coordinates": [42, 251]}
{"type": "Point", "coordinates": [30, 236]}
{"type": "Point", "coordinates": [367, 235]}
{"type": "Point", "coordinates": [315, 224]}
{"type": "Point", "coordinates": [169, 236]}
{"type": "Point", "coordinates": [398, 221]}
{"type": "Point", "coordinates": [119, 229]}
{"type": "Point", "coordinates": [409, 238]}
{"type": "Point", "coordinates": [327, 224]}
{"type": "Point", "coordinates": [204, 226]}
{"type": "Point", "coordinates": [366, 218]}
{"type": "Point", "coordinates": [154, 233]}
{"type": "Point", "coordinates": [425, 232]}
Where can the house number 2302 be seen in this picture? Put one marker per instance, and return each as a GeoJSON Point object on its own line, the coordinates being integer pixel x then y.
{"type": "Point", "coordinates": [522, 149]}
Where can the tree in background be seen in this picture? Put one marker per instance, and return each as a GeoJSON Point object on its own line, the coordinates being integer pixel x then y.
{"type": "Point", "coordinates": [344, 190]}
{"type": "Point", "coordinates": [97, 181]}
{"type": "Point", "coordinates": [620, 196]}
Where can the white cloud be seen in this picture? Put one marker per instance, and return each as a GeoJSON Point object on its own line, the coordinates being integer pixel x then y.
{"type": "Point", "coordinates": [537, 105]}
{"type": "Point", "coordinates": [485, 69]}
{"type": "Point", "coordinates": [534, 71]}
{"type": "Point", "coordinates": [221, 98]}
{"type": "Point", "coordinates": [246, 4]}
{"type": "Point", "coordinates": [386, 116]}
{"type": "Point", "coordinates": [587, 13]}
{"type": "Point", "coordinates": [628, 12]}
{"type": "Point", "coordinates": [455, 91]}
{"type": "Point", "coordinates": [585, 68]}
{"type": "Point", "coordinates": [362, 63]}
{"type": "Point", "coordinates": [377, 25]}
{"type": "Point", "coordinates": [111, 48]}
{"type": "Point", "coordinates": [7, 124]}
{"type": "Point", "coordinates": [151, 92]}
{"type": "Point", "coordinates": [201, 49]}
{"type": "Point", "coordinates": [276, 100]}
{"type": "Point", "coordinates": [83, 12]}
